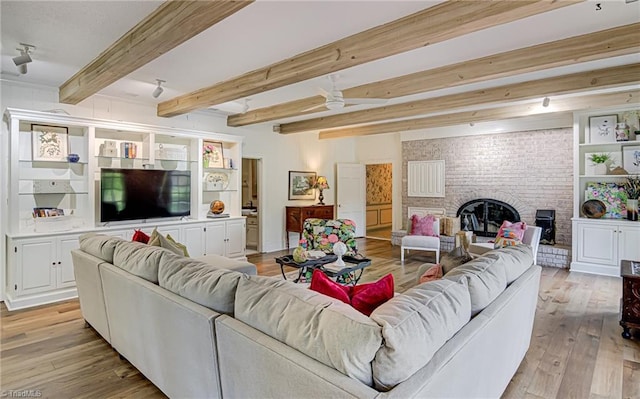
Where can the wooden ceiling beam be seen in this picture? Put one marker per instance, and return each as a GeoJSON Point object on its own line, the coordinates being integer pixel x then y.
{"type": "Point", "coordinates": [607, 43]}
{"type": "Point", "coordinates": [170, 25]}
{"type": "Point", "coordinates": [434, 24]}
{"type": "Point", "coordinates": [491, 114]}
{"type": "Point", "coordinates": [577, 82]}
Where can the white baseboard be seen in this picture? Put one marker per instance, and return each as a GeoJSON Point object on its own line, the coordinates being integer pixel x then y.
{"type": "Point", "coordinates": [23, 302]}
{"type": "Point", "coordinates": [592, 268]}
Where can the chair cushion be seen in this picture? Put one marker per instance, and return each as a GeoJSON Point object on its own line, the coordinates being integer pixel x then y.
{"type": "Point", "coordinates": [421, 241]}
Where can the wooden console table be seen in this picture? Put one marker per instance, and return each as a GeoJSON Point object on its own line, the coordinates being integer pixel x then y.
{"type": "Point", "coordinates": [296, 215]}
{"type": "Point", "coordinates": [630, 302]}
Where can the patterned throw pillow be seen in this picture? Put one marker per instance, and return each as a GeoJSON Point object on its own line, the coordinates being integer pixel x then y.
{"type": "Point", "coordinates": [510, 234]}
{"type": "Point", "coordinates": [423, 226]}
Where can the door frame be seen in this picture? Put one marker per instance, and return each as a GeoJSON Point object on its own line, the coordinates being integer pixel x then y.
{"type": "Point", "coordinates": [261, 196]}
{"type": "Point", "coordinates": [366, 187]}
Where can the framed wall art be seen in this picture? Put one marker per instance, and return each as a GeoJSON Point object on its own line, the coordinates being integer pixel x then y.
{"type": "Point", "coordinates": [631, 159]}
{"type": "Point", "coordinates": [300, 185]}
{"type": "Point", "coordinates": [50, 143]}
{"type": "Point", "coordinates": [602, 129]}
{"type": "Point", "coordinates": [212, 154]}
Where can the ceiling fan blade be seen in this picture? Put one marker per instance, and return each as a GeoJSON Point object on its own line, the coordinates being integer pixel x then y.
{"type": "Point", "coordinates": [314, 107]}
{"type": "Point", "coordinates": [365, 100]}
{"type": "Point", "coordinates": [323, 92]}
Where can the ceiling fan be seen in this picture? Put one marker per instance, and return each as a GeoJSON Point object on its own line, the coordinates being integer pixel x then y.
{"type": "Point", "coordinates": [335, 100]}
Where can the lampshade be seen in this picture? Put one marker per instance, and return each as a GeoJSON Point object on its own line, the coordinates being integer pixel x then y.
{"type": "Point", "coordinates": [321, 183]}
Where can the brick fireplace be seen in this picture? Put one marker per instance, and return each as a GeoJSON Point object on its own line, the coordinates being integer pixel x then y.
{"type": "Point", "coordinates": [528, 170]}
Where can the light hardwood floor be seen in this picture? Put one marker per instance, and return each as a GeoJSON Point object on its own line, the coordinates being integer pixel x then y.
{"type": "Point", "coordinates": [576, 348]}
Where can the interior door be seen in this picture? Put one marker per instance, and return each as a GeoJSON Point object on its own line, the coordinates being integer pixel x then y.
{"type": "Point", "coordinates": [350, 193]}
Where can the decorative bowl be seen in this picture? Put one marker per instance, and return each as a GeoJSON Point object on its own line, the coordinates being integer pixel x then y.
{"type": "Point", "coordinates": [73, 158]}
{"type": "Point", "coordinates": [594, 209]}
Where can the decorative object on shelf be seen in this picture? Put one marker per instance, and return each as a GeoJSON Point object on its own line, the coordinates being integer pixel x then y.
{"type": "Point", "coordinates": [622, 132]}
{"type": "Point", "coordinates": [52, 187]}
{"type": "Point", "coordinates": [601, 129]}
{"type": "Point", "coordinates": [216, 207]}
{"type": "Point", "coordinates": [228, 163]}
{"type": "Point", "coordinates": [598, 163]}
{"type": "Point", "coordinates": [108, 149]}
{"type": "Point", "coordinates": [613, 195]}
{"type": "Point", "coordinates": [339, 249]}
{"type": "Point", "coordinates": [618, 171]}
{"type": "Point", "coordinates": [49, 143]}
{"type": "Point", "coordinates": [594, 209]}
{"type": "Point", "coordinates": [632, 187]}
{"type": "Point", "coordinates": [216, 181]}
{"type": "Point", "coordinates": [301, 185]}
{"type": "Point", "coordinates": [632, 119]}
{"type": "Point", "coordinates": [73, 158]}
{"type": "Point", "coordinates": [171, 152]}
{"type": "Point", "coordinates": [321, 184]}
{"type": "Point", "coordinates": [212, 154]}
{"type": "Point", "coordinates": [631, 159]}
{"type": "Point", "coordinates": [128, 150]}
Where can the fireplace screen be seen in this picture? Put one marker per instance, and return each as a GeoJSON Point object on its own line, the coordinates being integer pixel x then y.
{"type": "Point", "coordinates": [485, 216]}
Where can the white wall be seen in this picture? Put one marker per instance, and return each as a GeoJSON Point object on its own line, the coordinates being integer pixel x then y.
{"type": "Point", "coordinates": [279, 153]}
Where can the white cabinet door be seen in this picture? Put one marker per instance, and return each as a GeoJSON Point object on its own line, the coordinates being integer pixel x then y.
{"type": "Point", "coordinates": [193, 237]}
{"type": "Point", "coordinates": [597, 244]}
{"type": "Point", "coordinates": [64, 264]}
{"type": "Point", "coordinates": [215, 239]}
{"type": "Point", "coordinates": [236, 238]}
{"type": "Point", "coordinates": [629, 243]}
{"type": "Point", "coordinates": [35, 266]}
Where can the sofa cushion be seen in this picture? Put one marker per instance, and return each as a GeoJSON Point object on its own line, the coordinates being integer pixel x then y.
{"type": "Point", "coordinates": [322, 328]}
{"type": "Point", "coordinates": [158, 240]}
{"type": "Point", "coordinates": [222, 262]}
{"type": "Point", "coordinates": [140, 259]}
{"type": "Point", "coordinates": [486, 278]}
{"type": "Point", "coordinates": [515, 260]}
{"type": "Point", "coordinates": [205, 284]}
{"type": "Point", "coordinates": [99, 245]}
{"type": "Point", "coordinates": [415, 325]}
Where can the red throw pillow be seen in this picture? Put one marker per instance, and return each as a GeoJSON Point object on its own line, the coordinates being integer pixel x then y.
{"type": "Point", "coordinates": [324, 285]}
{"type": "Point", "coordinates": [423, 226]}
{"type": "Point", "coordinates": [140, 236]}
{"type": "Point", "coordinates": [365, 297]}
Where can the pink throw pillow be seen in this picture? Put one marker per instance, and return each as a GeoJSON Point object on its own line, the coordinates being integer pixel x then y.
{"type": "Point", "coordinates": [423, 226]}
{"type": "Point", "coordinates": [432, 273]}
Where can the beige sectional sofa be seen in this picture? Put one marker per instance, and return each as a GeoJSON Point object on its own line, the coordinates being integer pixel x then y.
{"type": "Point", "coordinates": [198, 330]}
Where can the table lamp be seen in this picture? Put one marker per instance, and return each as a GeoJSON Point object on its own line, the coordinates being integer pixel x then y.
{"type": "Point", "coordinates": [321, 184]}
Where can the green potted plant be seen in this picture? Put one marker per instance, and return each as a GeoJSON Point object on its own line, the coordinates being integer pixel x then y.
{"type": "Point", "coordinates": [632, 187]}
{"type": "Point", "coordinates": [600, 162]}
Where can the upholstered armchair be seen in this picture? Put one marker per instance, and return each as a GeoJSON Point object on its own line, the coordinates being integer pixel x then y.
{"type": "Point", "coordinates": [422, 241]}
{"type": "Point", "coordinates": [321, 234]}
{"type": "Point", "coordinates": [531, 237]}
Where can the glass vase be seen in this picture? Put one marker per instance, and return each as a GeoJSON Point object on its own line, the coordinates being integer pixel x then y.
{"type": "Point", "coordinates": [632, 209]}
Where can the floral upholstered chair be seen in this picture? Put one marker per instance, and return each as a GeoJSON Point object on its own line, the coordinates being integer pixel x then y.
{"type": "Point", "coordinates": [321, 234]}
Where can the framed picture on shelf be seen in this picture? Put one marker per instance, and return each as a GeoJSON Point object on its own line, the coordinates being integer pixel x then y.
{"type": "Point", "coordinates": [300, 185]}
{"type": "Point", "coordinates": [631, 159]}
{"type": "Point", "coordinates": [602, 129]}
{"type": "Point", "coordinates": [50, 143]}
{"type": "Point", "coordinates": [212, 154]}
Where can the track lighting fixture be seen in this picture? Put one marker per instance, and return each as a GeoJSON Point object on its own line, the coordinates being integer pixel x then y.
{"type": "Point", "coordinates": [546, 101]}
{"type": "Point", "coordinates": [24, 58]}
{"type": "Point", "coordinates": [156, 93]}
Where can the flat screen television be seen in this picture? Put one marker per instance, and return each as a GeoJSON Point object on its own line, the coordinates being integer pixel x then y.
{"type": "Point", "coordinates": [132, 194]}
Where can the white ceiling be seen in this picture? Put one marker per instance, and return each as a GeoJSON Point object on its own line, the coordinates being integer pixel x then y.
{"type": "Point", "coordinates": [69, 34]}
